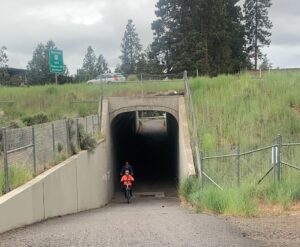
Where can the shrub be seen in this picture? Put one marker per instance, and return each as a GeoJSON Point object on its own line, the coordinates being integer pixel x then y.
{"type": "Point", "coordinates": [16, 124]}
{"type": "Point", "coordinates": [35, 119]}
{"type": "Point", "coordinates": [73, 137]}
{"type": "Point", "coordinates": [188, 186]}
{"type": "Point", "coordinates": [132, 78]}
{"type": "Point", "coordinates": [60, 147]}
{"type": "Point", "coordinates": [87, 141]}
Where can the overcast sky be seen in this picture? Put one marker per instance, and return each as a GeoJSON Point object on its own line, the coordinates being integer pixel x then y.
{"type": "Point", "coordinates": [75, 24]}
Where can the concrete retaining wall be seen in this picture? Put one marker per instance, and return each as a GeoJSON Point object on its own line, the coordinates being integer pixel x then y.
{"type": "Point", "coordinates": [186, 162]}
{"type": "Point", "coordinates": [82, 182]}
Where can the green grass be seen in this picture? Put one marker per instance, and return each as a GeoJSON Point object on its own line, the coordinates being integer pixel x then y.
{"type": "Point", "coordinates": [16, 176]}
{"type": "Point", "coordinates": [242, 201]}
{"type": "Point", "coordinates": [249, 112]}
{"type": "Point", "coordinates": [241, 110]}
{"type": "Point", "coordinates": [57, 102]}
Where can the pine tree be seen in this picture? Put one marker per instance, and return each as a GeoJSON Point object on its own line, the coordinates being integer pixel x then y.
{"type": "Point", "coordinates": [257, 27]}
{"type": "Point", "coordinates": [35, 67]}
{"type": "Point", "coordinates": [236, 32]}
{"type": "Point", "coordinates": [161, 46]}
{"type": "Point", "coordinates": [131, 49]}
{"type": "Point", "coordinates": [89, 64]}
{"type": "Point", "coordinates": [199, 34]}
{"type": "Point", "coordinates": [101, 65]}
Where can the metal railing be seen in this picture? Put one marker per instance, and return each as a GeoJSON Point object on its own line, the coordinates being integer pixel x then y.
{"type": "Point", "coordinates": [34, 149]}
{"type": "Point", "coordinates": [192, 120]}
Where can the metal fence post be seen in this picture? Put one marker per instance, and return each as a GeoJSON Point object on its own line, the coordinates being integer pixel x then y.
{"type": "Point", "coordinates": [278, 159]}
{"type": "Point", "coordinates": [198, 159]}
{"type": "Point", "coordinates": [6, 179]}
{"type": "Point", "coordinates": [93, 125]}
{"type": "Point", "coordinates": [86, 124]}
{"type": "Point", "coordinates": [274, 160]}
{"type": "Point", "coordinates": [34, 150]}
{"type": "Point", "coordinates": [142, 85]}
{"type": "Point", "coordinates": [68, 137]}
{"type": "Point", "coordinates": [53, 139]}
{"type": "Point", "coordinates": [238, 168]}
{"type": "Point", "coordinates": [202, 170]}
{"type": "Point", "coordinates": [77, 132]}
{"type": "Point", "coordinates": [99, 122]}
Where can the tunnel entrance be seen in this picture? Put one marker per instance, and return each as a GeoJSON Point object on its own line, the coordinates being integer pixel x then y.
{"type": "Point", "coordinates": [148, 140]}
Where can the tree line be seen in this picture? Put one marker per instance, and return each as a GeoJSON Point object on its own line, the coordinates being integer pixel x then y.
{"type": "Point", "coordinates": [210, 36]}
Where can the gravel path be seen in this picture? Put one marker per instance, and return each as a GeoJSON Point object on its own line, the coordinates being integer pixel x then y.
{"type": "Point", "coordinates": [144, 222]}
{"type": "Point", "coordinates": [273, 231]}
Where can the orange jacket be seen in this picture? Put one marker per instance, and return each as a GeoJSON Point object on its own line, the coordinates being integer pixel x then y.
{"type": "Point", "coordinates": [127, 180]}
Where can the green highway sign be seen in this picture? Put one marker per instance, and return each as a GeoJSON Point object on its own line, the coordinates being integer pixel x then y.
{"type": "Point", "coordinates": [56, 61]}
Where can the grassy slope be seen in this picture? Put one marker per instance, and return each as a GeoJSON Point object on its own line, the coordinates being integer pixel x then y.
{"type": "Point", "coordinates": [55, 101]}
{"type": "Point", "coordinates": [249, 200]}
{"type": "Point", "coordinates": [232, 110]}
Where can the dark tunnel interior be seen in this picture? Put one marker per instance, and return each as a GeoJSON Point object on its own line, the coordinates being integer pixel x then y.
{"type": "Point", "coordinates": [151, 148]}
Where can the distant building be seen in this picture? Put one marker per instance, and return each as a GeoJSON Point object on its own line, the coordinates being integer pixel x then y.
{"type": "Point", "coordinates": [17, 76]}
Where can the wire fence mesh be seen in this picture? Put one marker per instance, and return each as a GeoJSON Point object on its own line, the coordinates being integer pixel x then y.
{"type": "Point", "coordinates": [269, 163]}
{"type": "Point", "coordinates": [160, 77]}
{"type": "Point", "coordinates": [31, 150]}
{"type": "Point", "coordinates": [266, 164]}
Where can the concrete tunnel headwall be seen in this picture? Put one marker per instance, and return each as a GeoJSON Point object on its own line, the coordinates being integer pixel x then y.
{"type": "Point", "coordinates": [119, 126]}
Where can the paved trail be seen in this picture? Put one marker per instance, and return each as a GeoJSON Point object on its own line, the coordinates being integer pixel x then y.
{"type": "Point", "coordinates": [145, 222]}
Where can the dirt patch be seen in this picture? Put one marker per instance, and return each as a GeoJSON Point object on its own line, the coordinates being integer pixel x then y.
{"type": "Point", "coordinates": [278, 210]}
{"type": "Point", "coordinates": [275, 231]}
{"type": "Point", "coordinates": [296, 109]}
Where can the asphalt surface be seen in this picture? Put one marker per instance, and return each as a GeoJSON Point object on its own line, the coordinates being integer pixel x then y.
{"type": "Point", "coordinates": [144, 222]}
{"type": "Point", "coordinates": [147, 221]}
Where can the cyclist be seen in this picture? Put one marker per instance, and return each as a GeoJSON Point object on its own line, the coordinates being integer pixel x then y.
{"type": "Point", "coordinates": [127, 180]}
{"type": "Point", "coordinates": [125, 167]}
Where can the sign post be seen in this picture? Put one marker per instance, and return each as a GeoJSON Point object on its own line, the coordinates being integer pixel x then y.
{"type": "Point", "coordinates": [56, 63]}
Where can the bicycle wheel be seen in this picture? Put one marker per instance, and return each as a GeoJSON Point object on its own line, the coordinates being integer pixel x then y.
{"type": "Point", "coordinates": [128, 195]}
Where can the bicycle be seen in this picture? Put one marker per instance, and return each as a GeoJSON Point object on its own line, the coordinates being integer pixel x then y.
{"type": "Point", "coordinates": [128, 193]}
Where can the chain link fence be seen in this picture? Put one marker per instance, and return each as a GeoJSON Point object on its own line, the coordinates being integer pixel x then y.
{"type": "Point", "coordinates": [29, 151]}
{"type": "Point", "coordinates": [276, 162]}
{"type": "Point", "coordinates": [269, 163]}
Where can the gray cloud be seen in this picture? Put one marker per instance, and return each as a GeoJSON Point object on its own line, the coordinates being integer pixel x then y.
{"type": "Point", "coordinates": [74, 25]}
